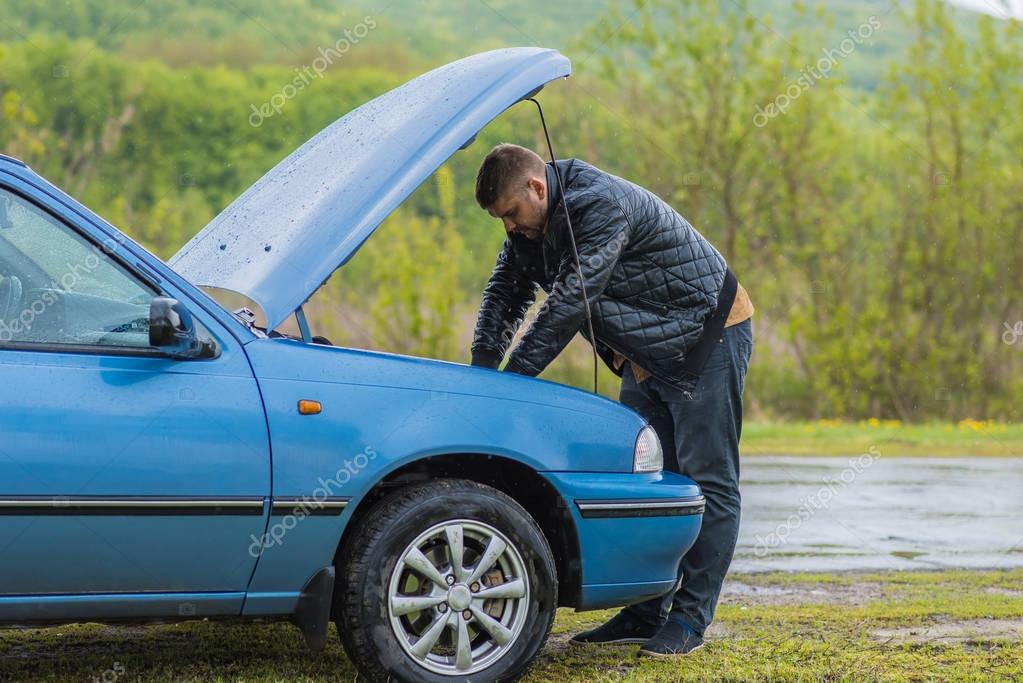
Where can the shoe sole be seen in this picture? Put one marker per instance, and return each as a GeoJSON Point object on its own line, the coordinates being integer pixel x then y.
{"type": "Point", "coordinates": [666, 655]}
{"type": "Point", "coordinates": [623, 641]}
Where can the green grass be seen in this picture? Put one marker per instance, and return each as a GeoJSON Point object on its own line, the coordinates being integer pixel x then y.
{"type": "Point", "coordinates": [825, 629]}
{"type": "Point", "coordinates": [889, 437]}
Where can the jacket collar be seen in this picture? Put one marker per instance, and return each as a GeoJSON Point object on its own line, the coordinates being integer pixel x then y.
{"type": "Point", "coordinates": [555, 212]}
{"type": "Point", "coordinates": [553, 191]}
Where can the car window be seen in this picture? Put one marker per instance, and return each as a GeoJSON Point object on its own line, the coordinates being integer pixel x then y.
{"type": "Point", "coordinates": [56, 287]}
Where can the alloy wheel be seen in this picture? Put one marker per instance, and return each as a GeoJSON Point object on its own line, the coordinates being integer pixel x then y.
{"type": "Point", "coordinates": [458, 597]}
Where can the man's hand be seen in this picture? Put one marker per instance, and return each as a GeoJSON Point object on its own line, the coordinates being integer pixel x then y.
{"type": "Point", "coordinates": [486, 358]}
{"type": "Point", "coordinates": [507, 297]}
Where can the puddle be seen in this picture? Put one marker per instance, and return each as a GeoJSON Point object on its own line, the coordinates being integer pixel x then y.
{"type": "Point", "coordinates": [955, 632]}
{"type": "Point", "coordinates": [739, 593]}
{"type": "Point", "coordinates": [823, 514]}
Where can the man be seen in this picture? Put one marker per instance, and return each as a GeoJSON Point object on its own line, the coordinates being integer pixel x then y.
{"type": "Point", "coordinates": [667, 316]}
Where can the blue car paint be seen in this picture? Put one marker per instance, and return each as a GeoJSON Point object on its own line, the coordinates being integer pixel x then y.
{"type": "Point", "coordinates": [113, 425]}
{"type": "Point", "coordinates": [281, 239]}
{"type": "Point", "coordinates": [229, 427]}
{"type": "Point", "coordinates": [611, 545]}
{"type": "Point", "coordinates": [382, 411]}
{"type": "Point", "coordinates": [107, 426]}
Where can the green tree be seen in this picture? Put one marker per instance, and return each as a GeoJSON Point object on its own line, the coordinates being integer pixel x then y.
{"type": "Point", "coordinates": [413, 304]}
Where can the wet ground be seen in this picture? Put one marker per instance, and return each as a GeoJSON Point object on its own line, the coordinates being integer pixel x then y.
{"type": "Point", "coordinates": [879, 512]}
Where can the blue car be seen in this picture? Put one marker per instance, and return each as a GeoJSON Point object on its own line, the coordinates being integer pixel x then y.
{"type": "Point", "coordinates": [165, 458]}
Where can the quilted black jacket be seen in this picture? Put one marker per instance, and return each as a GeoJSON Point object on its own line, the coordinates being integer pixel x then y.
{"type": "Point", "coordinates": [651, 279]}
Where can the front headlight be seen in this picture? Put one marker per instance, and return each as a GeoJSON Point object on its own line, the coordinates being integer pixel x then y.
{"type": "Point", "coordinates": [648, 456]}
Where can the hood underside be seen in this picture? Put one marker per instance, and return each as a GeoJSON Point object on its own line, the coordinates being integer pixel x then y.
{"type": "Point", "coordinates": [280, 240]}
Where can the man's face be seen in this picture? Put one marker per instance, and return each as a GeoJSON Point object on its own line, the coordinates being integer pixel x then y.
{"type": "Point", "coordinates": [523, 212]}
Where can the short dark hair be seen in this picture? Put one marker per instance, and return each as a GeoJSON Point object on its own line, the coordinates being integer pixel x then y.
{"type": "Point", "coordinates": [503, 167]}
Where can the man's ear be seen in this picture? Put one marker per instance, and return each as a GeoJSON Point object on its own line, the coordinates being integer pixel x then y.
{"type": "Point", "coordinates": [538, 186]}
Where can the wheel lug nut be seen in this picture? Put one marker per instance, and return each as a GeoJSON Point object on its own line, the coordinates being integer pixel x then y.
{"type": "Point", "coordinates": [450, 580]}
{"type": "Point", "coordinates": [467, 615]}
{"type": "Point", "coordinates": [475, 588]}
{"type": "Point", "coordinates": [442, 608]}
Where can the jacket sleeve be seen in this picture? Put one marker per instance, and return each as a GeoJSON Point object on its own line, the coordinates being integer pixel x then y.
{"type": "Point", "coordinates": [601, 233]}
{"type": "Point", "coordinates": [506, 298]}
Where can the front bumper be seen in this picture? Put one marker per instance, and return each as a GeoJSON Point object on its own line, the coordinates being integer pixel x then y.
{"type": "Point", "coordinates": [633, 530]}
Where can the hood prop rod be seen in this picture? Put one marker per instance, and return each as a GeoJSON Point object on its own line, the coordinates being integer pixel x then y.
{"type": "Point", "coordinates": [571, 236]}
{"type": "Point", "coordinates": [303, 325]}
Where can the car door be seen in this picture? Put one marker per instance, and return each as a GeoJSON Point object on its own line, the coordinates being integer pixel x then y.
{"type": "Point", "coordinates": [122, 470]}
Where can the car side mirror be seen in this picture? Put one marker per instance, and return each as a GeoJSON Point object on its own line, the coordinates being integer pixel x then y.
{"type": "Point", "coordinates": [172, 330]}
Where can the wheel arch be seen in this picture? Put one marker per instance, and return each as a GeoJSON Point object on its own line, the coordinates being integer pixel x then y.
{"type": "Point", "coordinates": [515, 479]}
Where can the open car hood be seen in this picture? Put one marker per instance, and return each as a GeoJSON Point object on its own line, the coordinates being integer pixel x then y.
{"type": "Point", "coordinates": [279, 241]}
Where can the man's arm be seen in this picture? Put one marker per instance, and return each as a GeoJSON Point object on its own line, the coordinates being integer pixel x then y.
{"type": "Point", "coordinates": [601, 233]}
{"type": "Point", "coordinates": [506, 298]}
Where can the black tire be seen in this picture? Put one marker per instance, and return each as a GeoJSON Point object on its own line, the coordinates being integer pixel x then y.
{"type": "Point", "coordinates": [371, 553]}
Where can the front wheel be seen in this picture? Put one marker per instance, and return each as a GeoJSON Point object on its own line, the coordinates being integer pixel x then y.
{"type": "Point", "coordinates": [446, 581]}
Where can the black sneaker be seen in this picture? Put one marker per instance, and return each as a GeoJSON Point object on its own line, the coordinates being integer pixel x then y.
{"type": "Point", "coordinates": [673, 639]}
{"type": "Point", "coordinates": [621, 629]}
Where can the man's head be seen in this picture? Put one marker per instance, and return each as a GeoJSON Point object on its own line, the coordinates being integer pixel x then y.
{"type": "Point", "coordinates": [512, 185]}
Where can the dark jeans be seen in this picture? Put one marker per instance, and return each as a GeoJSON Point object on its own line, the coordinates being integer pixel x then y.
{"type": "Point", "coordinates": [700, 434]}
